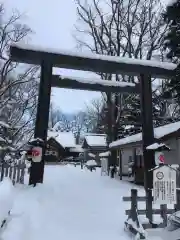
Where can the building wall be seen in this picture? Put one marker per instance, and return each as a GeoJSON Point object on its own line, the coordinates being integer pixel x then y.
{"type": "Point", "coordinates": [171, 157]}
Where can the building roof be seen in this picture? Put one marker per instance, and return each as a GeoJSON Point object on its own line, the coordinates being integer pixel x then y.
{"type": "Point", "coordinates": [159, 133]}
{"type": "Point", "coordinates": [65, 139]}
{"type": "Point", "coordinates": [96, 140]}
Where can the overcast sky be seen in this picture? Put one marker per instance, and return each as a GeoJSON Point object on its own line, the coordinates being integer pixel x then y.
{"type": "Point", "coordinates": [52, 22]}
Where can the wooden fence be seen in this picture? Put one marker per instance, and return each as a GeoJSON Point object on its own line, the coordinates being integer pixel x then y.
{"type": "Point", "coordinates": [15, 172]}
{"type": "Point", "coordinates": [132, 213]}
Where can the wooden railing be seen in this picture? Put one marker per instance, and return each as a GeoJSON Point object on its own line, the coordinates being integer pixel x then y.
{"type": "Point", "coordinates": [15, 172]}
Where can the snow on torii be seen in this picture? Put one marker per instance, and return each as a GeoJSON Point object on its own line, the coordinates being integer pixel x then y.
{"type": "Point", "coordinates": [26, 53]}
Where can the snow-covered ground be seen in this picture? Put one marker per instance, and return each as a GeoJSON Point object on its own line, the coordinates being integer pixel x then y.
{"type": "Point", "coordinates": [71, 204]}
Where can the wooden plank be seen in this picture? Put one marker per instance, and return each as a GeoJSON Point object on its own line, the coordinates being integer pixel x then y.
{"type": "Point", "coordinates": [18, 174]}
{"type": "Point", "coordinates": [2, 172]}
{"type": "Point", "coordinates": [94, 63]}
{"type": "Point", "coordinates": [6, 170]}
{"type": "Point", "coordinates": [139, 199]}
{"type": "Point", "coordinates": [14, 175]}
{"type": "Point", "coordinates": [10, 172]}
{"type": "Point", "coordinates": [154, 211]}
{"type": "Point", "coordinates": [149, 226]}
{"type": "Point", "coordinates": [75, 84]}
{"type": "Point", "coordinates": [22, 175]}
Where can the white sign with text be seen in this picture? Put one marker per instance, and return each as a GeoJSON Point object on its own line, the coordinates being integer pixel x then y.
{"type": "Point", "coordinates": [164, 185]}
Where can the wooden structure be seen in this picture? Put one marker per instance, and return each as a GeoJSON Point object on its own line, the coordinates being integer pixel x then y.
{"type": "Point", "coordinates": [130, 149]}
{"type": "Point", "coordinates": [14, 172]}
{"type": "Point", "coordinates": [48, 59]}
{"type": "Point", "coordinates": [60, 145]}
{"type": "Point", "coordinates": [54, 151]}
{"type": "Point", "coordinates": [133, 212]}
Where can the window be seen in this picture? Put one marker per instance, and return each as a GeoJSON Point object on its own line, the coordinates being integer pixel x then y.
{"type": "Point", "coordinates": [49, 152]}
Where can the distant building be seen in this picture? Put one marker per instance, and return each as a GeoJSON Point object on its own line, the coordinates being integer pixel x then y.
{"type": "Point", "coordinates": [94, 144]}
{"type": "Point", "coordinates": [61, 145]}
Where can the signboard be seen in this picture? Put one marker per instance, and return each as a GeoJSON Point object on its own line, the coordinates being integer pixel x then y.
{"type": "Point", "coordinates": [159, 158]}
{"type": "Point", "coordinates": [164, 185]}
{"type": "Point", "coordinates": [36, 154]}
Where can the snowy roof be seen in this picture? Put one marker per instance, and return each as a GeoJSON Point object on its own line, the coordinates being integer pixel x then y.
{"type": "Point", "coordinates": [96, 140]}
{"type": "Point", "coordinates": [159, 132]}
{"type": "Point", "coordinates": [155, 146]}
{"type": "Point", "coordinates": [66, 139]}
{"type": "Point", "coordinates": [105, 154]}
{"type": "Point", "coordinates": [77, 149]}
{"type": "Point", "coordinates": [117, 59]}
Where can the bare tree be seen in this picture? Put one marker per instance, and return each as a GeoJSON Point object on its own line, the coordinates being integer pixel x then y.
{"type": "Point", "coordinates": [131, 28]}
{"type": "Point", "coordinates": [94, 114]}
{"type": "Point", "coordinates": [18, 84]}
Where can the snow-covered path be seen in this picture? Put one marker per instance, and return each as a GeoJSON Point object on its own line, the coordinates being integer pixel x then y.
{"type": "Point", "coordinates": [71, 204]}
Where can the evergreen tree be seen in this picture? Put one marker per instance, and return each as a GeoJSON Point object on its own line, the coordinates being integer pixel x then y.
{"type": "Point", "coordinates": [172, 45]}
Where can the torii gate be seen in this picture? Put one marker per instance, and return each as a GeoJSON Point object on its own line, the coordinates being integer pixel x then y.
{"type": "Point", "coordinates": [48, 59]}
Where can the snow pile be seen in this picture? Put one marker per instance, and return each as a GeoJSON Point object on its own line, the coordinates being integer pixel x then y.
{"type": "Point", "coordinates": [6, 198]}
{"type": "Point", "coordinates": [96, 140]}
{"type": "Point", "coordinates": [91, 163]}
{"type": "Point", "coordinates": [104, 154]}
{"type": "Point", "coordinates": [98, 81]}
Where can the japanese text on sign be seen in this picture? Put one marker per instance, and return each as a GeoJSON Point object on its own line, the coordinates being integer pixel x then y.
{"type": "Point", "coordinates": [164, 185]}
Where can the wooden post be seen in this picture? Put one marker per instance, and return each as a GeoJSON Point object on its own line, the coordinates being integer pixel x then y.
{"type": "Point", "coordinates": [163, 208]}
{"type": "Point", "coordinates": [120, 164]}
{"type": "Point", "coordinates": [147, 134]}
{"type": "Point", "coordinates": [42, 117]}
{"type": "Point", "coordinates": [149, 200]}
{"type": "Point", "coordinates": [134, 205]}
{"type": "Point", "coordinates": [109, 123]}
{"type": "Point", "coordinates": [135, 164]}
{"type": "Point", "coordinates": [14, 175]}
